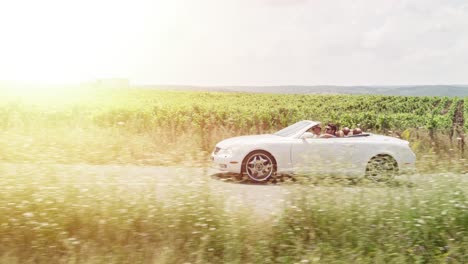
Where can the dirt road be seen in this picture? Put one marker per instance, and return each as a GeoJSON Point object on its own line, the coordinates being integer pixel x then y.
{"type": "Point", "coordinates": [263, 199]}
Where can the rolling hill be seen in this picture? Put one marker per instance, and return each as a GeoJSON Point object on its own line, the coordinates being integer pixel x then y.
{"type": "Point", "coordinates": [416, 90]}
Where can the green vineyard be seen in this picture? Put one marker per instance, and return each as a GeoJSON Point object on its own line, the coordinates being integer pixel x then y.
{"type": "Point", "coordinates": [146, 109]}
{"type": "Point", "coordinates": [264, 112]}
{"type": "Point", "coordinates": [192, 122]}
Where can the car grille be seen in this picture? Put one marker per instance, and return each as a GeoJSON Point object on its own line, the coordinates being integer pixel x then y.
{"type": "Point", "coordinates": [216, 150]}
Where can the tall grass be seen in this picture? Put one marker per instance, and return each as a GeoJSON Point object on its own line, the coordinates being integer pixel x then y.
{"type": "Point", "coordinates": [51, 214]}
{"type": "Point", "coordinates": [48, 217]}
{"type": "Point", "coordinates": [390, 225]}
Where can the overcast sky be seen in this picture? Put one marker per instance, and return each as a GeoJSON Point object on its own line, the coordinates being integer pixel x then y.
{"type": "Point", "coordinates": [236, 42]}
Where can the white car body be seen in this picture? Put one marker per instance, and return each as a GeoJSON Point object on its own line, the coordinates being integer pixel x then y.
{"type": "Point", "coordinates": [294, 151]}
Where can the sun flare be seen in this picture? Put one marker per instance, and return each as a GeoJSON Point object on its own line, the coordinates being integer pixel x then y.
{"type": "Point", "coordinates": [56, 42]}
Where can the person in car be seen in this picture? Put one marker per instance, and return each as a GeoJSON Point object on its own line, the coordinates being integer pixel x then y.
{"type": "Point", "coordinates": [346, 131]}
{"type": "Point", "coordinates": [357, 131]}
{"type": "Point", "coordinates": [339, 133]}
{"type": "Point", "coordinates": [316, 130]}
{"type": "Point", "coordinates": [330, 131]}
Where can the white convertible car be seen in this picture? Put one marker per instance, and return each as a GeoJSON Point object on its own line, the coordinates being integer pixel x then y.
{"type": "Point", "coordinates": [293, 150]}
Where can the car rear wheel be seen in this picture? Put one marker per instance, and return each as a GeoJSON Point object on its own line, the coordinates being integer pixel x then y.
{"type": "Point", "coordinates": [381, 168]}
{"type": "Point", "coordinates": [259, 166]}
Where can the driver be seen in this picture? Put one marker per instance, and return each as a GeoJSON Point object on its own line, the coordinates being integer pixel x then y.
{"type": "Point", "coordinates": [316, 131]}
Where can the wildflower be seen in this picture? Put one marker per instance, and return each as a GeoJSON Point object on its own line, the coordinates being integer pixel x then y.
{"type": "Point", "coordinates": [28, 214]}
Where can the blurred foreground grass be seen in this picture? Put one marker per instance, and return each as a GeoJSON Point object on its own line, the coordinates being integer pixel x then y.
{"type": "Point", "coordinates": [53, 214]}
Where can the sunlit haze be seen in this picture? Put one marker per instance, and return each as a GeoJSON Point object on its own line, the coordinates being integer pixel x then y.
{"type": "Point", "coordinates": [235, 42]}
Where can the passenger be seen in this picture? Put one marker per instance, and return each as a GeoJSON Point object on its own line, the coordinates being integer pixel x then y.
{"type": "Point", "coordinates": [340, 134]}
{"type": "Point", "coordinates": [357, 131]}
{"type": "Point", "coordinates": [346, 131]}
{"type": "Point", "coordinates": [330, 131]}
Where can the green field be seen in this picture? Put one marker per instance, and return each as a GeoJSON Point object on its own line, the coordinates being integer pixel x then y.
{"type": "Point", "coordinates": [54, 214]}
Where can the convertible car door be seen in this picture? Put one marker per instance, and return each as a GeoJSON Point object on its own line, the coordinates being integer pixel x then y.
{"type": "Point", "coordinates": [345, 153]}
{"type": "Point", "coordinates": [322, 155]}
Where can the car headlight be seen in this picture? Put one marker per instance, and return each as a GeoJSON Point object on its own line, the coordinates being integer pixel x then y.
{"type": "Point", "coordinates": [227, 151]}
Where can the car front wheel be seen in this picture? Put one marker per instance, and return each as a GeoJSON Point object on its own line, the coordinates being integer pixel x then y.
{"type": "Point", "coordinates": [259, 166]}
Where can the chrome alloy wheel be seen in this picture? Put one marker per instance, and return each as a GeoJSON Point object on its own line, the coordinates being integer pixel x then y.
{"type": "Point", "coordinates": [381, 168]}
{"type": "Point", "coordinates": [259, 166]}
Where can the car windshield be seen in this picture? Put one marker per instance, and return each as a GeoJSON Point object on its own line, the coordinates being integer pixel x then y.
{"type": "Point", "coordinates": [292, 129]}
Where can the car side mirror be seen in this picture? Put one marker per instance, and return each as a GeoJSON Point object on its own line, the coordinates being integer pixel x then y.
{"type": "Point", "coordinates": [307, 135]}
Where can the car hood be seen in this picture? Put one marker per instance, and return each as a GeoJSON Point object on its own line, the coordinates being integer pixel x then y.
{"type": "Point", "coordinates": [255, 139]}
